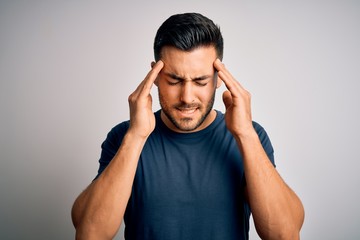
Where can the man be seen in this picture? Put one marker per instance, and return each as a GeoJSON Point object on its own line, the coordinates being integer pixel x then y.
{"type": "Point", "coordinates": [188, 171]}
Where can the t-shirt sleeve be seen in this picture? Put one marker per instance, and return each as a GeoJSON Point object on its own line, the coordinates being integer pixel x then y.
{"type": "Point", "coordinates": [111, 145]}
{"type": "Point", "coordinates": [265, 141]}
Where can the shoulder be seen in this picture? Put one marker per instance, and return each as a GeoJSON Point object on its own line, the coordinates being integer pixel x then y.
{"type": "Point", "coordinates": [120, 128]}
{"type": "Point", "coordinates": [116, 134]}
{"type": "Point", "coordinates": [265, 140]}
{"type": "Point", "coordinates": [260, 130]}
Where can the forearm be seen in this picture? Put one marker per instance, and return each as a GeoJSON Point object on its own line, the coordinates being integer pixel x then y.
{"type": "Point", "coordinates": [277, 211]}
{"type": "Point", "coordinates": [99, 210]}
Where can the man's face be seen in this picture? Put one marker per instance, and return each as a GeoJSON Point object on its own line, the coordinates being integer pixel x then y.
{"type": "Point", "coordinates": [186, 87]}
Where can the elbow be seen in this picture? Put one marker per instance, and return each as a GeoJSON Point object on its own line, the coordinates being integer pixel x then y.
{"type": "Point", "coordinates": [291, 227]}
{"type": "Point", "coordinates": [89, 232]}
{"type": "Point", "coordinates": [288, 229]}
{"type": "Point", "coordinates": [75, 218]}
{"type": "Point", "coordinates": [84, 229]}
{"type": "Point", "coordinates": [286, 233]}
{"type": "Point", "coordinates": [88, 229]}
{"type": "Point", "coordinates": [83, 233]}
{"type": "Point", "coordinates": [76, 214]}
{"type": "Point", "coordinates": [289, 234]}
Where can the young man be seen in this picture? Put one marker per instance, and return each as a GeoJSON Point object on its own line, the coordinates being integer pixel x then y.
{"type": "Point", "coordinates": [188, 171]}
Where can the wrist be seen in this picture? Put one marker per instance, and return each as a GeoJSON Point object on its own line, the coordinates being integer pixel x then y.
{"type": "Point", "coordinates": [246, 135]}
{"type": "Point", "coordinates": [137, 131]}
{"type": "Point", "coordinates": [136, 136]}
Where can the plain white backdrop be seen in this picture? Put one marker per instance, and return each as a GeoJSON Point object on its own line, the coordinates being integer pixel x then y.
{"type": "Point", "coordinates": [67, 68]}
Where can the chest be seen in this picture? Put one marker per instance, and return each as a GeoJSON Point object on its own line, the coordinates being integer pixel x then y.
{"type": "Point", "coordinates": [206, 174]}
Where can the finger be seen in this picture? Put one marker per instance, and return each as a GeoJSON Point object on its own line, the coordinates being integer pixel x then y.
{"type": "Point", "coordinates": [151, 76]}
{"type": "Point", "coordinates": [227, 99]}
{"type": "Point", "coordinates": [225, 75]}
{"type": "Point", "coordinates": [230, 82]}
{"type": "Point", "coordinates": [145, 86]}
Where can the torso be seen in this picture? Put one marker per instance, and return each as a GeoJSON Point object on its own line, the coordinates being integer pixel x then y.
{"type": "Point", "coordinates": [188, 185]}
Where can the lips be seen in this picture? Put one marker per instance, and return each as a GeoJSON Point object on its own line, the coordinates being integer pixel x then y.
{"type": "Point", "coordinates": [187, 112]}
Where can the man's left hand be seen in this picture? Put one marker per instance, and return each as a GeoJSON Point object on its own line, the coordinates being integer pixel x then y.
{"type": "Point", "coordinates": [237, 102]}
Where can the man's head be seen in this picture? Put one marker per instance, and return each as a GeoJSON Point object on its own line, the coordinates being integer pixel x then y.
{"type": "Point", "coordinates": [188, 45]}
{"type": "Point", "coordinates": [186, 32]}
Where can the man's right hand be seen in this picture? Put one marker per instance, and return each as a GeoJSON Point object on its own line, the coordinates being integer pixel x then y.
{"type": "Point", "coordinates": [142, 119]}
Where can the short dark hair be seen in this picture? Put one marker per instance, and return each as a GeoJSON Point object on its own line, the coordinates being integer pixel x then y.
{"type": "Point", "coordinates": [186, 32]}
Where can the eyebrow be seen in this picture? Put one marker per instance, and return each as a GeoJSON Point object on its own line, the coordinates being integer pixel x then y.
{"type": "Point", "coordinates": [178, 78]}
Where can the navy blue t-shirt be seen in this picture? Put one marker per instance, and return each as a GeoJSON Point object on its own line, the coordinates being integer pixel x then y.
{"type": "Point", "coordinates": [187, 185]}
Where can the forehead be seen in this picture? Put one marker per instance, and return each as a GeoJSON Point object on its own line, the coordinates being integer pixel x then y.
{"type": "Point", "coordinates": [189, 63]}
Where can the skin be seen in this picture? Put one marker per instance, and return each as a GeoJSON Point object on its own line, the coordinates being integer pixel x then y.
{"type": "Point", "coordinates": [277, 211]}
{"type": "Point", "coordinates": [187, 107]}
{"type": "Point", "coordinates": [186, 87]}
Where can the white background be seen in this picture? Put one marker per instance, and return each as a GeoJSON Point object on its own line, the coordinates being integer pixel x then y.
{"type": "Point", "coordinates": [67, 68]}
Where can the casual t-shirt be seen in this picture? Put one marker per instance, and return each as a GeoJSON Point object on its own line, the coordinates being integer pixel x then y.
{"type": "Point", "coordinates": [187, 185]}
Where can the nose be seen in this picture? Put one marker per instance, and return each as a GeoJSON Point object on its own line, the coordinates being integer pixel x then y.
{"type": "Point", "coordinates": [186, 95]}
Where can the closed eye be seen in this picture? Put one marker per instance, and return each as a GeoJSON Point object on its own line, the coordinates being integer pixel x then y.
{"type": "Point", "coordinates": [201, 83]}
{"type": "Point", "coordinates": [173, 83]}
{"type": "Point", "coordinates": [174, 79]}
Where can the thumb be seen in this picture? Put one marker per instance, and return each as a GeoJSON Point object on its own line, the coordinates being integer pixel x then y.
{"type": "Point", "coordinates": [227, 99]}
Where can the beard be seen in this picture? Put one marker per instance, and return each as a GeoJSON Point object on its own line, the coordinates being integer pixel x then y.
{"type": "Point", "coordinates": [186, 124]}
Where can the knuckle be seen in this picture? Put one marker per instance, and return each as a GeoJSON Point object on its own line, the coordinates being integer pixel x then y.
{"type": "Point", "coordinates": [131, 97]}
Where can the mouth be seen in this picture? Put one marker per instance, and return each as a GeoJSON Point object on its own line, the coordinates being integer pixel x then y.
{"type": "Point", "coordinates": [187, 112]}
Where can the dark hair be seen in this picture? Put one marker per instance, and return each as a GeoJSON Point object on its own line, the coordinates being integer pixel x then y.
{"type": "Point", "coordinates": [186, 32]}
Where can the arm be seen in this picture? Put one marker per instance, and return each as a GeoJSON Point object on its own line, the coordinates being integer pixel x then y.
{"type": "Point", "coordinates": [98, 211]}
{"type": "Point", "coordinates": [277, 211]}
